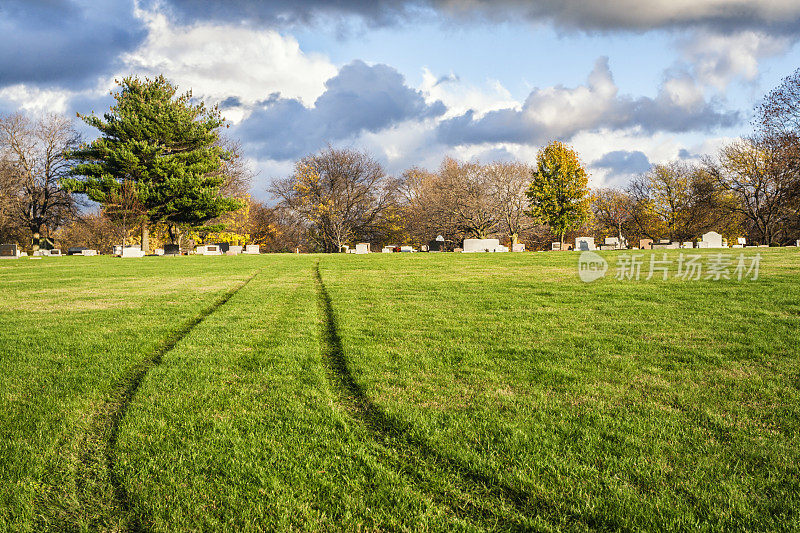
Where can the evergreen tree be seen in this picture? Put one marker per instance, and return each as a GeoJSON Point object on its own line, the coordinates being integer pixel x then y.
{"type": "Point", "coordinates": [559, 191]}
{"type": "Point", "coordinates": [164, 148]}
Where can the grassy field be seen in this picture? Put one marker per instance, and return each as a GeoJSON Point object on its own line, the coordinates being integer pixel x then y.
{"type": "Point", "coordinates": [404, 392]}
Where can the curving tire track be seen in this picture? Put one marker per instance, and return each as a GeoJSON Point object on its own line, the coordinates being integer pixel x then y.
{"type": "Point", "coordinates": [99, 462]}
{"type": "Point", "coordinates": [468, 501]}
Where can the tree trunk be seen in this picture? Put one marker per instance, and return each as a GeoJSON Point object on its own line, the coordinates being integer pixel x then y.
{"type": "Point", "coordinates": [145, 237]}
{"type": "Point", "coordinates": [36, 241]}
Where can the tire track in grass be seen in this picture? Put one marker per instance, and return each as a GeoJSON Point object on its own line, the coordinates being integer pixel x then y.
{"type": "Point", "coordinates": [417, 455]}
{"type": "Point", "coordinates": [106, 433]}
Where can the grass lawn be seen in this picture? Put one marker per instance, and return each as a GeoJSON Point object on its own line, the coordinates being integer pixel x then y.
{"type": "Point", "coordinates": [414, 392]}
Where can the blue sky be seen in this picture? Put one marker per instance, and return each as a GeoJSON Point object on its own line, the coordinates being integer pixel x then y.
{"type": "Point", "coordinates": [627, 83]}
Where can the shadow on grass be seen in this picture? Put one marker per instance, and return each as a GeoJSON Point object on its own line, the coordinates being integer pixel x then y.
{"type": "Point", "coordinates": [393, 433]}
{"type": "Point", "coordinates": [108, 428]}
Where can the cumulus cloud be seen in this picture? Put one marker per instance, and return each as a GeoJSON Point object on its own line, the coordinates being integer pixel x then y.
{"type": "Point", "coordinates": [598, 15]}
{"type": "Point", "coordinates": [220, 61]}
{"type": "Point", "coordinates": [561, 112]}
{"type": "Point", "coordinates": [64, 42]}
{"type": "Point", "coordinates": [717, 59]}
{"type": "Point", "coordinates": [359, 98]}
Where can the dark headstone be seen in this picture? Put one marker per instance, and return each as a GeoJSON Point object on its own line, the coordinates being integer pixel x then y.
{"type": "Point", "coordinates": [8, 250]}
{"type": "Point", "coordinates": [75, 251]}
{"type": "Point", "coordinates": [436, 246]}
{"type": "Point", "coordinates": [223, 246]}
{"type": "Point", "coordinates": [172, 249]}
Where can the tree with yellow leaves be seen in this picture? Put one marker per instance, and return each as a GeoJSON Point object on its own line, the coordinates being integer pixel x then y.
{"type": "Point", "coordinates": [559, 191]}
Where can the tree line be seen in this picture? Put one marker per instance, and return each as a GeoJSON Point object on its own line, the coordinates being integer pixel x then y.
{"type": "Point", "coordinates": [162, 169]}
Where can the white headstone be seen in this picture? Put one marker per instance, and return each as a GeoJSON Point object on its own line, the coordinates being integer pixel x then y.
{"type": "Point", "coordinates": [712, 240]}
{"type": "Point", "coordinates": [387, 249]}
{"type": "Point", "coordinates": [584, 243]}
{"type": "Point", "coordinates": [208, 249]}
{"type": "Point", "coordinates": [234, 250]}
{"type": "Point", "coordinates": [159, 251]}
{"type": "Point", "coordinates": [252, 249]}
{"type": "Point", "coordinates": [687, 244]}
{"type": "Point", "coordinates": [407, 249]}
{"type": "Point", "coordinates": [556, 246]}
{"type": "Point", "coordinates": [481, 245]}
{"type": "Point", "coordinates": [519, 247]}
{"type": "Point", "coordinates": [741, 240]}
{"type": "Point", "coordinates": [132, 251]}
{"type": "Point", "coordinates": [362, 248]}
{"type": "Point", "coordinates": [88, 253]}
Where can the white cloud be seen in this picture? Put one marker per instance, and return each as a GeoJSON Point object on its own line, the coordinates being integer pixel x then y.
{"type": "Point", "coordinates": [718, 59]}
{"type": "Point", "coordinates": [218, 61]}
{"type": "Point", "coordinates": [460, 97]}
{"type": "Point", "coordinates": [32, 99]}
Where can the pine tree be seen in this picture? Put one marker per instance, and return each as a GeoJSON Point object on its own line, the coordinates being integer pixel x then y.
{"type": "Point", "coordinates": [559, 191]}
{"type": "Point", "coordinates": [163, 147]}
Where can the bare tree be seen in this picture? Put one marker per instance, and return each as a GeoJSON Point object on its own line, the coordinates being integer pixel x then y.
{"type": "Point", "coordinates": [613, 210]}
{"type": "Point", "coordinates": [763, 186]}
{"type": "Point", "coordinates": [676, 200]}
{"type": "Point", "coordinates": [467, 192]}
{"type": "Point", "coordinates": [33, 163]}
{"type": "Point", "coordinates": [339, 193]}
{"type": "Point", "coordinates": [509, 183]}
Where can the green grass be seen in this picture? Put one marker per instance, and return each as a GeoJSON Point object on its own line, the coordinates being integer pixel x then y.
{"type": "Point", "coordinates": [411, 392]}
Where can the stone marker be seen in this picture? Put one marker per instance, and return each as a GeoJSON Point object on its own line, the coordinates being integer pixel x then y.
{"type": "Point", "coordinates": [665, 244]}
{"type": "Point", "coordinates": [712, 240]}
{"type": "Point", "coordinates": [407, 249]}
{"type": "Point", "coordinates": [519, 247]}
{"type": "Point", "coordinates": [159, 251]}
{"type": "Point", "coordinates": [362, 248]}
{"type": "Point", "coordinates": [687, 244]}
{"type": "Point", "coordinates": [172, 249]}
{"type": "Point", "coordinates": [132, 251]}
{"type": "Point", "coordinates": [222, 247]}
{"type": "Point", "coordinates": [118, 250]}
{"type": "Point", "coordinates": [208, 249]}
{"type": "Point", "coordinates": [741, 240]}
{"type": "Point", "coordinates": [584, 244]}
{"type": "Point", "coordinates": [86, 252]}
{"type": "Point", "coordinates": [75, 251]}
{"type": "Point", "coordinates": [645, 244]}
{"type": "Point", "coordinates": [387, 250]}
{"type": "Point", "coordinates": [556, 247]}
{"type": "Point", "coordinates": [55, 252]}
{"type": "Point", "coordinates": [483, 245]}
{"type": "Point", "coordinates": [252, 249]}
{"type": "Point", "coordinates": [234, 250]}
{"type": "Point", "coordinates": [9, 251]}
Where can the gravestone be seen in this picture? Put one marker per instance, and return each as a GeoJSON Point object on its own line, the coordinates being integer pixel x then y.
{"type": "Point", "coordinates": [207, 249]}
{"type": "Point", "coordinates": [584, 244]}
{"type": "Point", "coordinates": [797, 242]}
{"type": "Point", "coordinates": [87, 252]}
{"type": "Point", "coordinates": [234, 250]}
{"type": "Point", "coordinates": [172, 249]}
{"type": "Point", "coordinates": [741, 240]}
{"type": "Point", "coordinates": [9, 251]}
{"type": "Point", "coordinates": [712, 240]}
{"type": "Point", "coordinates": [481, 245]}
{"type": "Point", "coordinates": [223, 247]}
{"type": "Point", "coordinates": [687, 244]}
{"type": "Point", "coordinates": [55, 252]}
{"type": "Point", "coordinates": [645, 244]}
{"type": "Point", "coordinates": [362, 248]}
{"type": "Point", "coordinates": [407, 249]}
{"type": "Point", "coordinates": [75, 250]}
{"type": "Point", "coordinates": [132, 251]}
{"type": "Point", "coordinates": [556, 247]}
{"type": "Point", "coordinates": [159, 251]}
{"type": "Point", "coordinates": [252, 249]}
{"type": "Point", "coordinates": [118, 250]}
{"type": "Point", "coordinates": [519, 247]}
{"type": "Point", "coordinates": [387, 250]}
